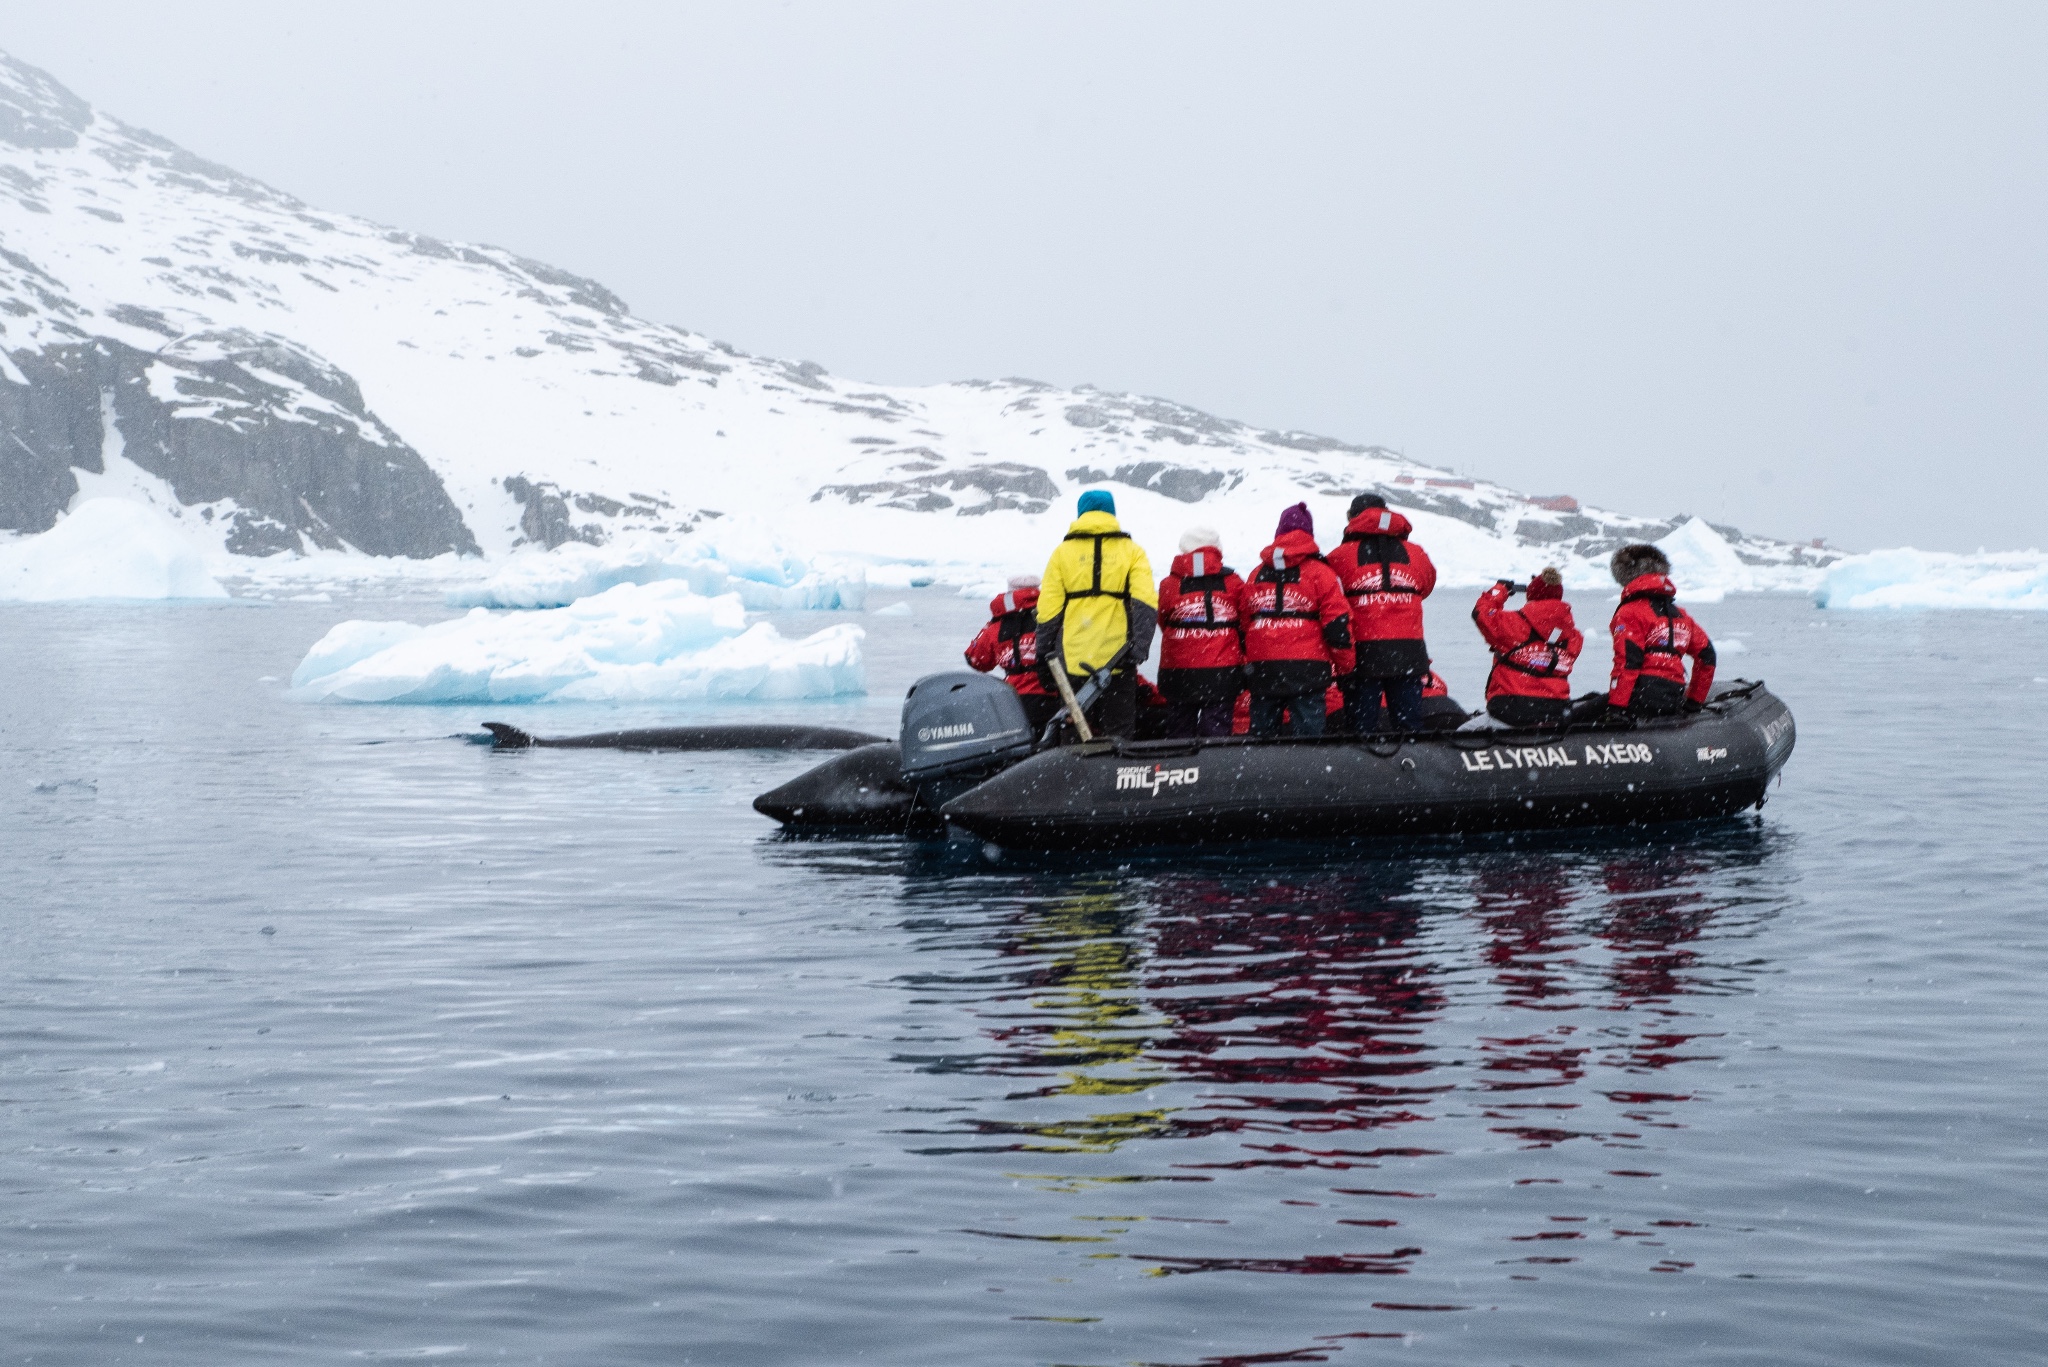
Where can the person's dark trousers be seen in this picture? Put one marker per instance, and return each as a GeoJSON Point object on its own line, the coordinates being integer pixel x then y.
{"type": "Point", "coordinates": [1362, 703]}
{"type": "Point", "coordinates": [1519, 711]}
{"type": "Point", "coordinates": [1274, 716]}
{"type": "Point", "coordinates": [1653, 697]}
{"type": "Point", "coordinates": [1115, 712]}
{"type": "Point", "coordinates": [1588, 708]}
{"type": "Point", "coordinates": [1185, 720]}
{"type": "Point", "coordinates": [1040, 708]}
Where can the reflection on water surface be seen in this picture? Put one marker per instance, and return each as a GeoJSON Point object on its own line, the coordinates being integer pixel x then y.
{"type": "Point", "coordinates": [1286, 1066]}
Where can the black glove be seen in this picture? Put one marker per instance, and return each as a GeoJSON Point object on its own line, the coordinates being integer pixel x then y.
{"type": "Point", "coordinates": [1692, 707]}
{"type": "Point", "coordinates": [1614, 719]}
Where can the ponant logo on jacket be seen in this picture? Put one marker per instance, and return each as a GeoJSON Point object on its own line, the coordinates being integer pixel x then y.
{"type": "Point", "coordinates": [1151, 779]}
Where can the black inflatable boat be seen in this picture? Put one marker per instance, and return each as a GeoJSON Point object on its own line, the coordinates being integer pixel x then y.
{"type": "Point", "coordinates": [968, 759]}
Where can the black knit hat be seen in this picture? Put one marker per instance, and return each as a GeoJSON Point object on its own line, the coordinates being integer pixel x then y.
{"type": "Point", "coordinates": [1362, 502]}
{"type": "Point", "coordinates": [1631, 563]}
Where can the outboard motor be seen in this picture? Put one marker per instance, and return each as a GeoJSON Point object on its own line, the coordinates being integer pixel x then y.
{"type": "Point", "coordinates": [959, 728]}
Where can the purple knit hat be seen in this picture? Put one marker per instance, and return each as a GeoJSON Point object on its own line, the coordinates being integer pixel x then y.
{"type": "Point", "coordinates": [1296, 519]}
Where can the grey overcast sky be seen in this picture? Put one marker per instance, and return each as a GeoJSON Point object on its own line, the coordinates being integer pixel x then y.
{"type": "Point", "coordinates": [1777, 264]}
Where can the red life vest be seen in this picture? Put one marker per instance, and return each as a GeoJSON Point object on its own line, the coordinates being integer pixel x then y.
{"type": "Point", "coordinates": [1200, 625]}
{"type": "Point", "coordinates": [1533, 648]}
{"type": "Point", "coordinates": [1010, 641]}
{"type": "Point", "coordinates": [1652, 637]}
{"type": "Point", "coordinates": [1297, 624]}
{"type": "Point", "coordinates": [1385, 576]}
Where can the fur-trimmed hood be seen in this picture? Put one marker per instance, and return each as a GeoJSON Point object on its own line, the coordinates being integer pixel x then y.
{"type": "Point", "coordinates": [1633, 562]}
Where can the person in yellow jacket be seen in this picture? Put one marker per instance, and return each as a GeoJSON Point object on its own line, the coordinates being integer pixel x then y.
{"type": "Point", "coordinates": [1096, 596]}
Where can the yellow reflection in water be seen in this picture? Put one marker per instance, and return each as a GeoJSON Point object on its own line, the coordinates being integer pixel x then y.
{"type": "Point", "coordinates": [1103, 1026]}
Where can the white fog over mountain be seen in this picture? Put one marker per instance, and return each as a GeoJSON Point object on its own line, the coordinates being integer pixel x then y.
{"type": "Point", "coordinates": [1774, 267]}
{"type": "Point", "coordinates": [280, 379]}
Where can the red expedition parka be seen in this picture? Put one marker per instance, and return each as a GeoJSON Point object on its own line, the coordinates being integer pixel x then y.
{"type": "Point", "coordinates": [1533, 649]}
{"type": "Point", "coordinates": [1652, 637]}
{"type": "Point", "coordinates": [1297, 625]}
{"type": "Point", "coordinates": [1010, 641]}
{"type": "Point", "coordinates": [1385, 578]}
{"type": "Point", "coordinates": [1201, 629]}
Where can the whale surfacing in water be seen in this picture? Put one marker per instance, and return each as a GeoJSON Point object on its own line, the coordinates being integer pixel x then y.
{"type": "Point", "coordinates": [765, 736]}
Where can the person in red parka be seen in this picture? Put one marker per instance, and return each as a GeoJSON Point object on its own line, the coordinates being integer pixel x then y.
{"type": "Point", "coordinates": [1297, 634]}
{"type": "Point", "coordinates": [1385, 576]}
{"type": "Point", "coordinates": [1201, 640]}
{"type": "Point", "coordinates": [1534, 650]}
{"type": "Point", "coordinates": [1010, 643]}
{"type": "Point", "coordinates": [1652, 638]}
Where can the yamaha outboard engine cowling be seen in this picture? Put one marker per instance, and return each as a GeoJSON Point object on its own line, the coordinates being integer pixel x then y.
{"type": "Point", "coordinates": [961, 726]}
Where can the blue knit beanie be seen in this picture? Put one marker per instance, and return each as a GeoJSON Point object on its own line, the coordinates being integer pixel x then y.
{"type": "Point", "coordinates": [1096, 501]}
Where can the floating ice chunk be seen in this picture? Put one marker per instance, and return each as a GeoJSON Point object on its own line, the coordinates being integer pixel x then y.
{"type": "Point", "coordinates": [659, 642]}
{"type": "Point", "coordinates": [900, 576]}
{"type": "Point", "coordinates": [765, 582]}
{"type": "Point", "coordinates": [894, 610]}
{"type": "Point", "coordinates": [347, 645]}
{"type": "Point", "coordinates": [1906, 578]}
{"type": "Point", "coordinates": [106, 548]}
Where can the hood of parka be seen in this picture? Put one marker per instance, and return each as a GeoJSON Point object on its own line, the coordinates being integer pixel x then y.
{"type": "Point", "coordinates": [1184, 566]}
{"type": "Point", "coordinates": [1293, 548]}
{"type": "Point", "coordinates": [1012, 600]}
{"type": "Point", "coordinates": [1648, 586]}
{"type": "Point", "coordinates": [1379, 522]}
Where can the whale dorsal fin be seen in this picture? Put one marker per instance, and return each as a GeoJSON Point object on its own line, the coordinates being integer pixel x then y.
{"type": "Point", "coordinates": [505, 737]}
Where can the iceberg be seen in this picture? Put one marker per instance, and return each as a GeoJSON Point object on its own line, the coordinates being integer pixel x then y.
{"type": "Point", "coordinates": [662, 641]}
{"type": "Point", "coordinates": [1906, 578]}
{"type": "Point", "coordinates": [106, 548]}
{"type": "Point", "coordinates": [738, 559]}
{"type": "Point", "coordinates": [1703, 564]}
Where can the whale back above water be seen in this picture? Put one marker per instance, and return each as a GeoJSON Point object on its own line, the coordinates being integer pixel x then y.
{"type": "Point", "coordinates": [762, 736]}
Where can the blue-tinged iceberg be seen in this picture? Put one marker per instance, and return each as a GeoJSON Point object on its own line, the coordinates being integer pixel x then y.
{"type": "Point", "coordinates": [662, 641]}
{"type": "Point", "coordinates": [1907, 578]}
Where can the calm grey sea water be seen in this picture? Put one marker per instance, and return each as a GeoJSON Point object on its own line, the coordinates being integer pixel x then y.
{"type": "Point", "coordinates": [329, 1038]}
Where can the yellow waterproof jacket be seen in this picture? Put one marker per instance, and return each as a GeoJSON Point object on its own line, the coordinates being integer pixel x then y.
{"type": "Point", "coordinates": [1097, 593]}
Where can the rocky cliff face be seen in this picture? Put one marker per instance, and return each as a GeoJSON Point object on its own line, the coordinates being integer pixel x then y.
{"type": "Point", "coordinates": [302, 380]}
{"type": "Point", "coordinates": [275, 443]}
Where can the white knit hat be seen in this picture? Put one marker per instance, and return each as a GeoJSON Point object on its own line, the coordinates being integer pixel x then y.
{"type": "Point", "coordinates": [1023, 581]}
{"type": "Point", "coordinates": [1194, 538]}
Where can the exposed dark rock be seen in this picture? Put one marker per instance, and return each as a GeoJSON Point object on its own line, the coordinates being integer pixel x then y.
{"type": "Point", "coordinates": [1562, 529]}
{"type": "Point", "coordinates": [36, 112]}
{"type": "Point", "coordinates": [1306, 441]}
{"type": "Point", "coordinates": [1442, 502]}
{"type": "Point", "coordinates": [803, 373]}
{"type": "Point", "coordinates": [588, 293]}
{"type": "Point", "coordinates": [1085, 415]}
{"type": "Point", "coordinates": [1181, 482]}
{"type": "Point", "coordinates": [225, 416]}
{"type": "Point", "coordinates": [254, 534]}
{"type": "Point", "coordinates": [545, 521]}
{"type": "Point", "coordinates": [149, 320]}
{"type": "Point", "coordinates": [545, 518]}
{"type": "Point", "coordinates": [1023, 488]}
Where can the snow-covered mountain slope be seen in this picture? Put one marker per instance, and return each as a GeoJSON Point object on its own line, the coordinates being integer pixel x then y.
{"type": "Point", "coordinates": [288, 379]}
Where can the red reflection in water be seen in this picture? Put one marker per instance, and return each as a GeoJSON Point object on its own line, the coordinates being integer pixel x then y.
{"type": "Point", "coordinates": [1308, 1017]}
